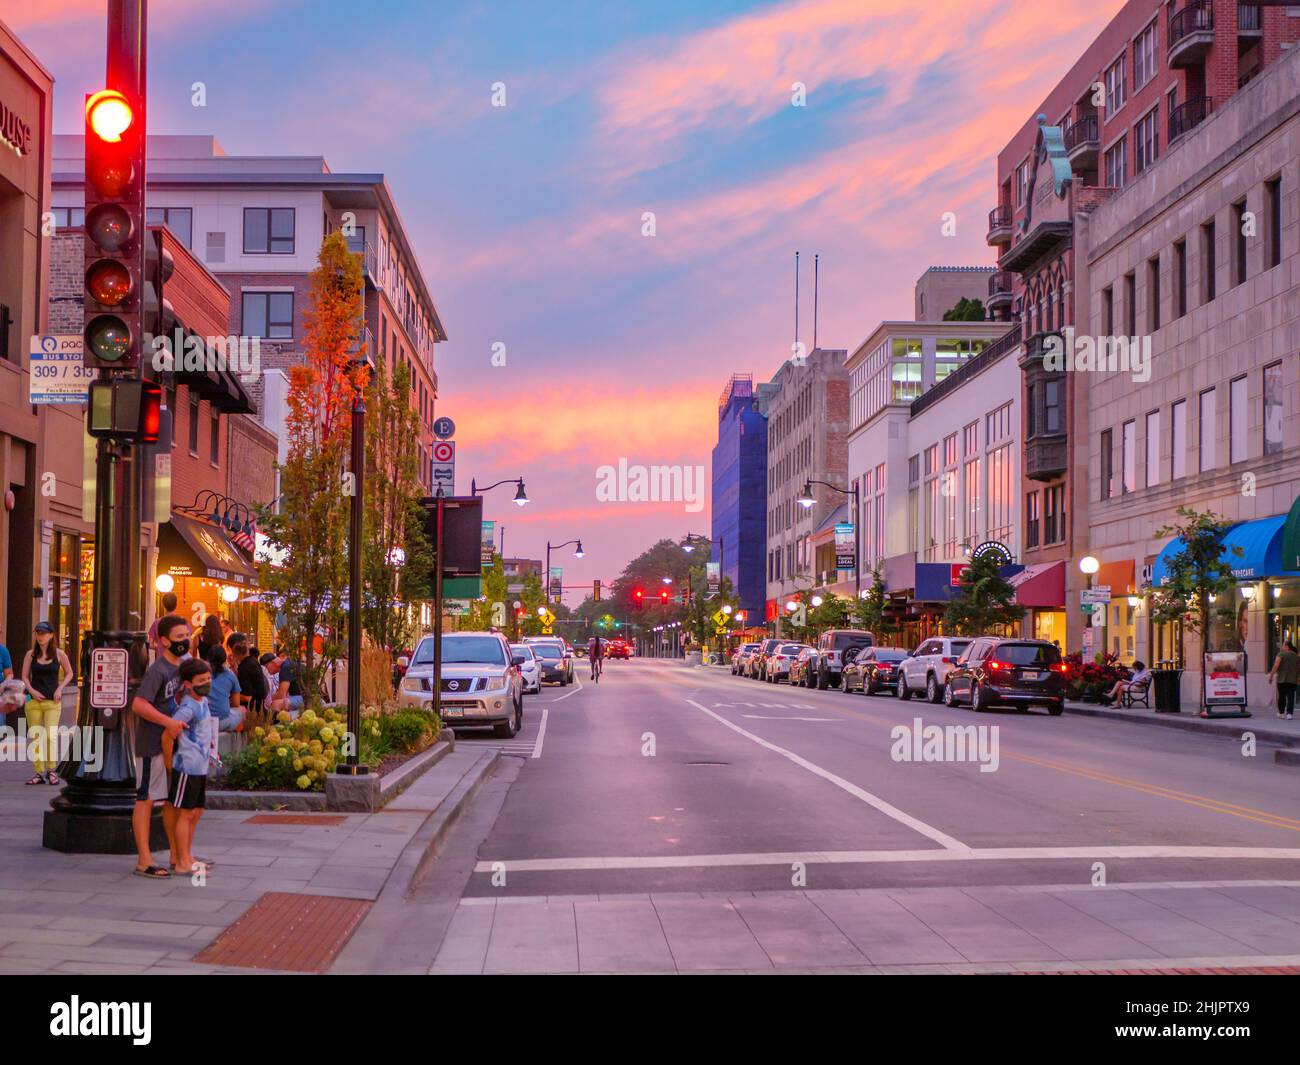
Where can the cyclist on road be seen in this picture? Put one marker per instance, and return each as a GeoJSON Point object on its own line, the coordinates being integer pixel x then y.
{"type": "Point", "coordinates": [596, 652]}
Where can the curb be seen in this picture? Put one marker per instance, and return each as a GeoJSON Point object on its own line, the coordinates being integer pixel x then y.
{"type": "Point", "coordinates": [1230, 727]}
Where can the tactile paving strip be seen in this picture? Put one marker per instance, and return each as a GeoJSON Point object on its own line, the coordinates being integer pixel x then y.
{"type": "Point", "coordinates": [295, 819]}
{"type": "Point", "coordinates": [284, 930]}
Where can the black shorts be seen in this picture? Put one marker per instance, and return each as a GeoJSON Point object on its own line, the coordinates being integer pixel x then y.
{"type": "Point", "coordinates": [188, 792]}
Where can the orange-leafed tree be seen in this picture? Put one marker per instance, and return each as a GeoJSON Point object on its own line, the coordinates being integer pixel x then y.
{"type": "Point", "coordinates": [308, 530]}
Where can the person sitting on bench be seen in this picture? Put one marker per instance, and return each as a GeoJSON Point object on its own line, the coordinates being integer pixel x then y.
{"type": "Point", "coordinates": [1140, 679]}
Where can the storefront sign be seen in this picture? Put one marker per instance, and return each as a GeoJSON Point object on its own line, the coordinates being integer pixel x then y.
{"type": "Point", "coordinates": [1093, 596]}
{"type": "Point", "coordinates": [846, 557]}
{"type": "Point", "coordinates": [994, 548]}
{"type": "Point", "coordinates": [1225, 678]}
{"type": "Point", "coordinates": [57, 373]}
{"type": "Point", "coordinates": [14, 131]}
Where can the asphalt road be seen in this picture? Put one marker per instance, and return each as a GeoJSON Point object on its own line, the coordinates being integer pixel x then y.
{"type": "Point", "coordinates": [681, 779]}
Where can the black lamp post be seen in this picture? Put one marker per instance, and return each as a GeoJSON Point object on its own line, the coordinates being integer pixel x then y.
{"type": "Point", "coordinates": [807, 499]}
{"type": "Point", "coordinates": [521, 497]}
{"type": "Point", "coordinates": [549, 548]}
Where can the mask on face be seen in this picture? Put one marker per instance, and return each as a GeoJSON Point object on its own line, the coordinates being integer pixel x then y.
{"type": "Point", "coordinates": [178, 647]}
{"type": "Point", "coordinates": [202, 689]}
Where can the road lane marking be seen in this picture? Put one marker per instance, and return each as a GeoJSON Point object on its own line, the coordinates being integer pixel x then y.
{"type": "Point", "coordinates": [978, 854]}
{"type": "Point", "coordinates": [778, 717]}
{"type": "Point", "coordinates": [541, 734]}
{"type": "Point", "coordinates": [889, 810]}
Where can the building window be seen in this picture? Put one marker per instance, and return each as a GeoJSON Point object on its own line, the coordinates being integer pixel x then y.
{"type": "Point", "coordinates": [1273, 408]}
{"type": "Point", "coordinates": [268, 315]}
{"type": "Point", "coordinates": [194, 425]}
{"type": "Point", "coordinates": [180, 220]}
{"type": "Point", "coordinates": [1273, 203]}
{"type": "Point", "coordinates": [1108, 309]}
{"type": "Point", "coordinates": [971, 488]}
{"type": "Point", "coordinates": [1144, 56]}
{"type": "Point", "coordinates": [997, 425]}
{"type": "Point", "coordinates": [1117, 164]}
{"type": "Point", "coordinates": [1031, 428]}
{"type": "Point", "coordinates": [1153, 294]}
{"type": "Point", "coordinates": [1180, 278]}
{"type": "Point", "coordinates": [1054, 514]}
{"type": "Point", "coordinates": [1130, 303]}
{"type": "Point", "coordinates": [1128, 458]}
{"type": "Point", "coordinates": [970, 439]}
{"type": "Point", "coordinates": [1002, 498]}
{"type": "Point", "coordinates": [1238, 416]}
{"type": "Point", "coordinates": [1207, 433]}
{"type": "Point", "coordinates": [1238, 242]}
{"type": "Point", "coordinates": [214, 436]}
{"type": "Point", "coordinates": [1153, 449]}
{"type": "Point", "coordinates": [1207, 261]}
{"type": "Point", "coordinates": [1145, 143]}
{"type": "Point", "coordinates": [1178, 440]}
{"type": "Point", "coordinates": [1116, 87]}
{"type": "Point", "coordinates": [268, 230]}
{"type": "Point", "coordinates": [1052, 407]}
{"type": "Point", "coordinates": [1107, 464]}
{"type": "Point", "coordinates": [1031, 521]}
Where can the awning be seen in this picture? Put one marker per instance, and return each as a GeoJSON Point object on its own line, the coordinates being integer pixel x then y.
{"type": "Point", "coordinates": [938, 582]}
{"type": "Point", "coordinates": [1117, 576]}
{"type": "Point", "coordinates": [191, 548]}
{"type": "Point", "coordinates": [1042, 585]}
{"type": "Point", "coordinates": [1291, 538]}
{"type": "Point", "coordinates": [1261, 551]}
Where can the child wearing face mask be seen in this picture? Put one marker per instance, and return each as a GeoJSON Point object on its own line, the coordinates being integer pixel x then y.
{"type": "Point", "coordinates": [190, 762]}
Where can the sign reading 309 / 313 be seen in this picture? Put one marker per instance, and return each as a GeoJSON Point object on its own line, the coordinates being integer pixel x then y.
{"type": "Point", "coordinates": [57, 371]}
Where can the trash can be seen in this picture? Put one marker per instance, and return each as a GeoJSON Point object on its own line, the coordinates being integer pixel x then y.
{"type": "Point", "coordinates": [1168, 685]}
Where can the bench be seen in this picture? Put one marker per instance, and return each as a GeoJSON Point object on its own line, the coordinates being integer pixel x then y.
{"type": "Point", "coordinates": [1136, 695]}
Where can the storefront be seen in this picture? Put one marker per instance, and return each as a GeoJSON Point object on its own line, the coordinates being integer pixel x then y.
{"type": "Point", "coordinates": [1040, 589]}
{"type": "Point", "coordinates": [207, 572]}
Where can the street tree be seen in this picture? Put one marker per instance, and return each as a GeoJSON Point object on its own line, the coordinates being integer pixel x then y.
{"type": "Point", "coordinates": [985, 601]}
{"type": "Point", "coordinates": [869, 611]}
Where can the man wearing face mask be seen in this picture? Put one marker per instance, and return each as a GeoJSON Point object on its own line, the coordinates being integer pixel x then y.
{"type": "Point", "coordinates": [154, 705]}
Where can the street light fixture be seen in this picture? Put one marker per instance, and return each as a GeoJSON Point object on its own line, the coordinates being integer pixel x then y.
{"type": "Point", "coordinates": [807, 499]}
{"type": "Point", "coordinates": [1089, 565]}
{"type": "Point", "coordinates": [817, 600]}
{"type": "Point", "coordinates": [521, 497]}
{"type": "Point", "coordinates": [552, 547]}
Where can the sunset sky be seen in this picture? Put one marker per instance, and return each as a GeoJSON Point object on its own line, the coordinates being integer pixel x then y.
{"type": "Point", "coordinates": [528, 218]}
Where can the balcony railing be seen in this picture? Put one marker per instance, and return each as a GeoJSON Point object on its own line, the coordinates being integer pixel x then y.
{"type": "Point", "coordinates": [1000, 286]}
{"type": "Point", "coordinates": [996, 350]}
{"type": "Point", "coordinates": [1248, 19]}
{"type": "Point", "coordinates": [1081, 133]}
{"type": "Point", "coordinates": [1000, 216]}
{"type": "Point", "coordinates": [1196, 17]}
{"type": "Point", "coordinates": [369, 258]}
{"type": "Point", "coordinates": [1188, 115]}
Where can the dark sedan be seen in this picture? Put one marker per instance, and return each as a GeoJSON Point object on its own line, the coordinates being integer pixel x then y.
{"type": "Point", "coordinates": [872, 669]}
{"type": "Point", "coordinates": [1008, 672]}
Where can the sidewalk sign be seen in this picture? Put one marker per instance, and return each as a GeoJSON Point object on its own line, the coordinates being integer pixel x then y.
{"type": "Point", "coordinates": [1224, 692]}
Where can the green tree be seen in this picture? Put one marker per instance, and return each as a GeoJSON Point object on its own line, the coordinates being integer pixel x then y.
{"type": "Point", "coordinates": [869, 611]}
{"type": "Point", "coordinates": [1200, 588]}
{"type": "Point", "coordinates": [985, 601]}
{"type": "Point", "coordinates": [307, 531]}
{"type": "Point", "coordinates": [965, 310]}
{"type": "Point", "coordinates": [483, 612]}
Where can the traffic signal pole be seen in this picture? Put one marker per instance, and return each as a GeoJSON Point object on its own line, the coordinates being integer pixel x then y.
{"type": "Point", "coordinates": [93, 812]}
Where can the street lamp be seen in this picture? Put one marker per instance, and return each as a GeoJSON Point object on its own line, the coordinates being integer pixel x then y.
{"type": "Point", "coordinates": [521, 497]}
{"type": "Point", "coordinates": [554, 547]}
{"type": "Point", "coordinates": [1089, 565]}
{"type": "Point", "coordinates": [807, 499]}
{"type": "Point", "coordinates": [817, 600]}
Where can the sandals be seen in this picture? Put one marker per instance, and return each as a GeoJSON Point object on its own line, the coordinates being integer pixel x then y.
{"type": "Point", "coordinates": [206, 863]}
{"type": "Point", "coordinates": [38, 779]}
{"type": "Point", "coordinates": [52, 778]}
{"type": "Point", "coordinates": [153, 872]}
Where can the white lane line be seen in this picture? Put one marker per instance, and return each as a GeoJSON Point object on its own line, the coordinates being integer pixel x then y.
{"type": "Point", "coordinates": [541, 734]}
{"type": "Point", "coordinates": [996, 854]}
{"type": "Point", "coordinates": [942, 838]}
{"type": "Point", "coordinates": [778, 717]}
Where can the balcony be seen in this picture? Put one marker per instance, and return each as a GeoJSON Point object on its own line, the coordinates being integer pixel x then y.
{"type": "Point", "coordinates": [1000, 225]}
{"type": "Point", "coordinates": [1000, 289]}
{"type": "Point", "coordinates": [1191, 32]}
{"type": "Point", "coordinates": [1082, 143]}
{"type": "Point", "coordinates": [1188, 115]}
{"type": "Point", "coordinates": [1248, 22]}
{"type": "Point", "coordinates": [999, 347]}
{"type": "Point", "coordinates": [369, 259]}
{"type": "Point", "coordinates": [1047, 457]}
{"type": "Point", "coordinates": [365, 339]}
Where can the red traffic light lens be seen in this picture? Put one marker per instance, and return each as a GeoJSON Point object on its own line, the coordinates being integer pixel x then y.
{"type": "Point", "coordinates": [109, 226]}
{"type": "Point", "coordinates": [109, 114]}
{"type": "Point", "coordinates": [108, 282]}
{"type": "Point", "coordinates": [108, 338]}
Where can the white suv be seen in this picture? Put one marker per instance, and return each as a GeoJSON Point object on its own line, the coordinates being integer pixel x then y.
{"type": "Point", "coordinates": [926, 671]}
{"type": "Point", "coordinates": [481, 682]}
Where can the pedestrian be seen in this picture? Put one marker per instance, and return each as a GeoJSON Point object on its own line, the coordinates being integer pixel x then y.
{"type": "Point", "coordinates": [46, 672]}
{"type": "Point", "coordinates": [270, 663]}
{"type": "Point", "coordinates": [289, 691]}
{"type": "Point", "coordinates": [208, 637]}
{"type": "Point", "coordinates": [224, 699]}
{"type": "Point", "coordinates": [248, 671]}
{"type": "Point", "coordinates": [188, 793]}
{"type": "Point", "coordinates": [1286, 671]}
{"type": "Point", "coordinates": [1140, 679]}
{"type": "Point", "coordinates": [153, 707]}
{"type": "Point", "coordinates": [168, 607]}
{"type": "Point", "coordinates": [13, 693]}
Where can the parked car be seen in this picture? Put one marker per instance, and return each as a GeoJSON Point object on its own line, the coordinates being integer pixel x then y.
{"type": "Point", "coordinates": [530, 668]}
{"type": "Point", "coordinates": [481, 682]}
{"type": "Point", "coordinates": [927, 669]}
{"type": "Point", "coordinates": [777, 666]}
{"type": "Point", "coordinates": [556, 664]}
{"type": "Point", "coordinates": [740, 657]}
{"type": "Point", "coordinates": [1008, 672]}
{"type": "Point", "coordinates": [758, 660]}
{"type": "Point", "coordinates": [831, 646]}
{"type": "Point", "coordinates": [617, 648]}
{"type": "Point", "coordinates": [801, 668]}
{"type": "Point", "coordinates": [871, 670]}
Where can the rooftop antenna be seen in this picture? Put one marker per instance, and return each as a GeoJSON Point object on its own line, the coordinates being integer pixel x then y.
{"type": "Point", "coordinates": [816, 259]}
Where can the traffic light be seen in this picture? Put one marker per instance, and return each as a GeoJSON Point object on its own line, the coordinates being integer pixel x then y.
{"type": "Point", "coordinates": [595, 591]}
{"type": "Point", "coordinates": [115, 232]}
{"type": "Point", "coordinates": [125, 408]}
{"type": "Point", "coordinates": [663, 597]}
{"type": "Point", "coordinates": [638, 595]}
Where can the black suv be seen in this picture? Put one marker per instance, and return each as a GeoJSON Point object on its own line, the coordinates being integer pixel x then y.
{"type": "Point", "coordinates": [1008, 672]}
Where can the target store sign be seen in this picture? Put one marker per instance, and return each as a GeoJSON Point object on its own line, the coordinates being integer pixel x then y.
{"type": "Point", "coordinates": [443, 471]}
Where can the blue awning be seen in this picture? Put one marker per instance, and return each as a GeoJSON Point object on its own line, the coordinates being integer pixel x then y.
{"type": "Point", "coordinates": [1261, 552]}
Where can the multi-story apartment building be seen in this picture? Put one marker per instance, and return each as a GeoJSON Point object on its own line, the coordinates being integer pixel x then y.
{"type": "Point", "coordinates": [739, 521]}
{"type": "Point", "coordinates": [1150, 78]}
{"type": "Point", "coordinates": [1199, 254]}
{"type": "Point", "coordinates": [257, 222]}
{"type": "Point", "coordinates": [807, 438]}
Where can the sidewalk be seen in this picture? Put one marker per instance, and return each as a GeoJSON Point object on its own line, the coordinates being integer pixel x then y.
{"type": "Point", "coordinates": [87, 913]}
{"type": "Point", "coordinates": [1264, 723]}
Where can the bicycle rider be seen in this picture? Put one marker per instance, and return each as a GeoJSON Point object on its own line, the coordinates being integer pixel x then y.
{"type": "Point", "coordinates": [596, 652]}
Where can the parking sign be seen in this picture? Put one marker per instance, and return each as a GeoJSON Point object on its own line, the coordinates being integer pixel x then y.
{"type": "Point", "coordinates": [444, 467]}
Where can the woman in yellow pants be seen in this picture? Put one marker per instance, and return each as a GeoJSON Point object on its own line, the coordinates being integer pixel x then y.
{"type": "Point", "coordinates": [46, 672]}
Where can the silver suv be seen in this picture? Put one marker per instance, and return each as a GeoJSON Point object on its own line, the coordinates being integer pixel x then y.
{"type": "Point", "coordinates": [831, 645]}
{"type": "Point", "coordinates": [928, 668]}
{"type": "Point", "coordinates": [481, 682]}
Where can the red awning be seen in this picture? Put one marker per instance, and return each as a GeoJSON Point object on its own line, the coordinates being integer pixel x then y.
{"type": "Point", "coordinates": [1041, 585]}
